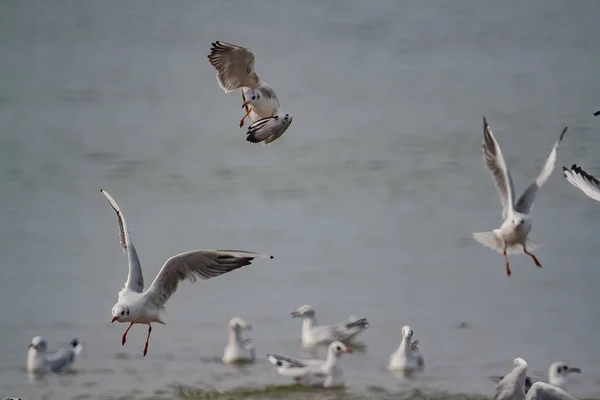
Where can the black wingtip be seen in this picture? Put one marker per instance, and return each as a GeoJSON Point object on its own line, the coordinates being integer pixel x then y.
{"type": "Point", "coordinates": [597, 113]}
{"type": "Point", "coordinates": [271, 257]}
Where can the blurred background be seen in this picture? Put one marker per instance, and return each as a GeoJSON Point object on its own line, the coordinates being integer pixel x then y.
{"type": "Point", "coordinates": [367, 202]}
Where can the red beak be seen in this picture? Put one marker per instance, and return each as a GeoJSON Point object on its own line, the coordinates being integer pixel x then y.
{"type": "Point", "coordinates": [575, 370]}
{"type": "Point", "coordinates": [114, 319]}
{"type": "Point", "coordinates": [349, 351]}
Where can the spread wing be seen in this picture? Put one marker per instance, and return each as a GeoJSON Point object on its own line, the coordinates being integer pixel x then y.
{"type": "Point", "coordinates": [511, 387]}
{"type": "Point", "coordinates": [234, 65]}
{"type": "Point", "coordinates": [525, 203]}
{"type": "Point", "coordinates": [194, 265]}
{"type": "Point", "coordinates": [135, 278]}
{"type": "Point", "coordinates": [492, 156]}
{"type": "Point", "coordinates": [546, 391]}
{"type": "Point", "coordinates": [584, 181]}
{"type": "Point", "coordinates": [266, 130]}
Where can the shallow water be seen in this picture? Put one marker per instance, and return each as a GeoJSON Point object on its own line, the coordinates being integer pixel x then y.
{"type": "Point", "coordinates": [367, 202]}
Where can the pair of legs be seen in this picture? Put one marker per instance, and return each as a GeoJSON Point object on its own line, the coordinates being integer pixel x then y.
{"type": "Point", "coordinates": [535, 260]}
{"type": "Point", "coordinates": [124, 339]}
{"type": "Point", "coordinates": [248, 110]}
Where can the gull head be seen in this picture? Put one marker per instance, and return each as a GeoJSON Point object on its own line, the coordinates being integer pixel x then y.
{"type": "Point", "coordinates": [237, 324]}
{"type": "Point", "coordinates": [559, 371]}
{"type": "Point", "coordinates": [407, 332]}
{"type": "Point", "coordinates": [519, 220]}
{"type": "Point", "coordinates": [519, 362]}
{"type": "Point", "coordinates": [338, 348]}
{"type": "Point", "coordinates": [252, 96]}
{"type": "Point", "coordinates": [120, 312]}
{"type": "Point", "coordinates": [304, 311]}
{"type": "Point", "coordinates": [39, 344]}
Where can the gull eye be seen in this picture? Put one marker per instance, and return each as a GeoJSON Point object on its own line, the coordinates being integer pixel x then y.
{"type": "Point", "coordinates": [128, 312]}
{"type": "Point", "coordinates": [122, 312]}
{"type": "Point", "coordinates": [253, 97]}
{"type": "Point", "coordinates": [339, 348]}
{"type": "Point", "coordinates": [258, 96]}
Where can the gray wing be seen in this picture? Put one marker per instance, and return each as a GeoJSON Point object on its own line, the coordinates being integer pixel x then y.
{"type": "Point", "coordinates": [194, 265]}
{"type": "Point", "coordinates": [266, 130]}
{"type": "Point", "coordinates": [546, 391]}
{"type": "Point", "coordinates": [509, 388]}
{"type": "Point", "coordinates": [492, 156]}
{"type": "Point", "coordinates": [60, 360]}
{"type": "Point", "coordinates": [525, 203]}
{"type": "Point", "coordinates": [286, 362]}
{"type": "Point", "coordinates": [135, 278]}
{"type": "Point", "coordinates": [584, 181]}
{"type": "Point", "coordinates": [234, 65]}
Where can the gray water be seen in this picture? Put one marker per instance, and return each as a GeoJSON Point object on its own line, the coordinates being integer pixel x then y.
{"type": "Point", "coordinates": [367, 202]}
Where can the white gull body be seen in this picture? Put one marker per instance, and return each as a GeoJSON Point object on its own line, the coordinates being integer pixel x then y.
{"type": "Point", "coordinates": [319, 373]}
{"type": "Point", "coordinates": [314, 335]}
{"type": "Point", "coordinates": [235, 70]}
{"type": "Point", "coordinates": [39, 360]}
{"type": "Point", "coordinates": [512, 236]}
{"type": "Point", "coordinates": [407, 358]}
{"type": "Point", "coordinates": [238, 350]}
{"type": "Point", "coordinates": [138, 306]}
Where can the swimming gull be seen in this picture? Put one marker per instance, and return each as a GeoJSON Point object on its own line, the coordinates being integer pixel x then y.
{"type": "Point", "coordinates": [557, 375]}
{"type": "Point", "coordinates": [407, 358]}
{"type": "Point", "coordinates": [324, 373]}
{"type": "Point", "coordinates": [313, 335]}
{"type": "Point", "coordinates": [238, 350]}
{"type": "Point", "coordinates": [39, 360]}
{"type": "Point", "coordinates": [137, 306]}
{"type": "Point", "coordinates": [512, 235]}
{"type": "Point", "coordinates": [584, 181]}
{"type": "Point", "coordinates": [235, 70]}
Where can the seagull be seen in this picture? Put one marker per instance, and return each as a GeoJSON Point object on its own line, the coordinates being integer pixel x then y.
{"type": "Point", "coordinates": [512, 386]}
{"type": "Point", "coordinates": [238, 350]}
{"type": "Point", "coordinates": [323, 335]}
{"type": "Point", "coordinates": [39, 360]}
{"type": "Point", "coordinates": [407, 358]}
{"type": "Point", "coordinates": [557, 375]}
{"type": "Point", "coordinates": [322, 373]}
{"type": "Point", "coordinates": [235, 70]}
{"type": "Point", "coordinates": [584, 181]}
{"type": "Point", "coordinates": [517, 221]}
{"type": "Point", "coordinates": [555, 389]}
{"type": "Point", "coordinates": [138, 306]}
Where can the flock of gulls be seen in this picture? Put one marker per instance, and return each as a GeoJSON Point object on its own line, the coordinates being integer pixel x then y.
{"type": "Point", "coordinates": [136, 305]}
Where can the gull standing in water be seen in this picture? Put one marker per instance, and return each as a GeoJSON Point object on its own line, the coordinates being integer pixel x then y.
{"type": "Point", "coordinates": [584, 181]}
{"type": "Point", "coordinates": [136, 306]}
{"type": "Point", "coordinates": [313, 335]}
{"type": "Point", "coordinates": [558, 373]}
{"type": "Point", "coordinates": [512, 235]}
{"type": "Point", "coordinates": [238, 350]}
{"type": "Point", "coordinates": [39, 360]}
{"type": "Point", "coordinates": [407, 358]}
{"type": "Point", "coordinates": [235, 70]}
{"type": "Point", "coordinates": [324, 373]}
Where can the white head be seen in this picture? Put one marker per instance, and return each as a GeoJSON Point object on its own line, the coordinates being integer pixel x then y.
{"type": "Point", "coordinates": [304, 312]}
{"type": "Point", "coordinates": [519, 219]}
{"type": "Point", "coordinates": [252, 96]}
{"type": "Point", "coordinates": [237, 325]}
{"type": "Point", "coordinates": [407, 332]}
{"type": "Point", "coordinates": [120, 313]}
{"type": "Point", "coordinates": [558, 373]}
{"type": "Point", "coordinates": [338, 348]}
{"type": "Point", "coordinates": [39, 344]}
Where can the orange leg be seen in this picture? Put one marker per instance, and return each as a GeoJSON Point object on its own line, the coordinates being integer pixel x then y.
{"type": "Point", "coordinates": [125, 334]}
{"type": "Point", "coordinates": [247, 114]}
{"type": "Point", "coordinates": [147, 339]}
{"type": "Point", "coordinates": [507, 265]}
{"type": "Point", "coordinates": [244, 99]}
{"type": "Point", "coordinates": [535, 260]}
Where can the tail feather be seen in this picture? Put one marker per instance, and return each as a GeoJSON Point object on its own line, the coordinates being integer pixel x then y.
{"type": "Point", "coordinates": [491, 240]}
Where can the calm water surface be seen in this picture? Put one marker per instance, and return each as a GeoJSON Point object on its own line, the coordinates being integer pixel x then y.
{"type": "Point", "coordinates": [367, 202]}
